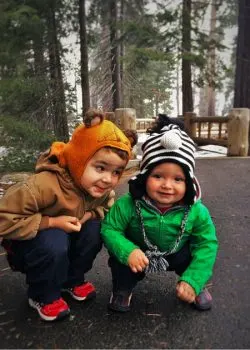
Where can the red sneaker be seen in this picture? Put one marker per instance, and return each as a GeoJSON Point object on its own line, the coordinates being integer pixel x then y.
{"type": "Point", "coordinates": [51, 312]}
{"type": "Point", "coordinates": [83, 292]}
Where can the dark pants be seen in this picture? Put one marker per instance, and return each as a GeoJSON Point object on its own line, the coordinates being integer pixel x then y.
{"type": "Point", "coordinates": [55, 259]}
{"type": "Point", "coordinates": [124, 278]}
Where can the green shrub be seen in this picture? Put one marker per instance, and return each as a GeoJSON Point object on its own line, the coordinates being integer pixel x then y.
{"type": "Point", "coordinates": [18, 160]}
{"type": "Point", "coordinates": [24, 142]}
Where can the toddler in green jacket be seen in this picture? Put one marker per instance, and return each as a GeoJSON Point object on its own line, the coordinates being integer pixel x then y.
{"type": "Point", "coordinates": [161, 224]}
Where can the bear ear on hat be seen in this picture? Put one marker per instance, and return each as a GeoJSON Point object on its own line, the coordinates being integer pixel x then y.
{"type": "Point", "coordinates": [93, 117]}
{"type": "Point", "coordinates": [132, 136]}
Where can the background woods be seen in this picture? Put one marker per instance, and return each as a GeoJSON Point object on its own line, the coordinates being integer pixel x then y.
{"type": "Point", "coordinates": [58, 57]}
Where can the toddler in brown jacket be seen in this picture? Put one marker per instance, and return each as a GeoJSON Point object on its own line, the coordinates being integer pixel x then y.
{"type": "Point", "coordinates": [50, 223]}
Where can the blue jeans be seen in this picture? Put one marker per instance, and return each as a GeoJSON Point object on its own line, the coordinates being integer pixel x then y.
{"type": "Point", "coordinates": [55, 259]}
{"type": "Point", "coordinates": [124, 279]}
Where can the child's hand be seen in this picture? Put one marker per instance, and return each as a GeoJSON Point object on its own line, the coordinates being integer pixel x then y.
{"type": "Point", "coordinates": [66, 223]}
{"type": "Point", "coordinates": [185, 292]}
{"type": "Point", "coordinates": [87, 215]}
{"type": "Point", "coordinates": [137, 260]}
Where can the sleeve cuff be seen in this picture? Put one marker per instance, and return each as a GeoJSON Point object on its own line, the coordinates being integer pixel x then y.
{"type": "Point", "coordinates": [192, 283]}
{"type": "Point", "coordinates": [44, 224]}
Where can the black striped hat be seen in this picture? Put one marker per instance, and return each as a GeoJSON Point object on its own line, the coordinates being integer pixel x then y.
{"type": "Point", "coordinates": [170, 143]}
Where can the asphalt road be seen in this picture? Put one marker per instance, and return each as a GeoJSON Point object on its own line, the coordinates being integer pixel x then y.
{"type": "Point", "coordinates": [157, 319]}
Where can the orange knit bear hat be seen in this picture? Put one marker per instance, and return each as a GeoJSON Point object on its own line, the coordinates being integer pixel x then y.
{"type": "Point", "coordinates": [85, 142]}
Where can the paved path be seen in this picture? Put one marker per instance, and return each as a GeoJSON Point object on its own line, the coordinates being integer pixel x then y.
{"type": "Point", "coordinates": [158, 319]}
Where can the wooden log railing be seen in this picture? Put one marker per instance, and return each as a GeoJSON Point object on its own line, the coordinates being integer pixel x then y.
{"type": "Point", "coordinates": [143, 124]}
{"type": "Point", "coordinates": [203, 130]}
{"type": "Point", "coordinates": [231, 131]}
{"type": "Point", "coordinates": [207, 130]}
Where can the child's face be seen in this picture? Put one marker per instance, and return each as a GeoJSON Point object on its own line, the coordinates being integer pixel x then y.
{"type": "Point", "coordinates": [102, 173]}
{"type": "Point", "coordinates": [166, 184]}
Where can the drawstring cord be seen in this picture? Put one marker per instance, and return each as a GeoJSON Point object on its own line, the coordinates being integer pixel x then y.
{"type": "Point", "coordinates": [157, 260]}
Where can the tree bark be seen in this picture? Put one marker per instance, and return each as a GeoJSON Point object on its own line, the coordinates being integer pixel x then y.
{"type": "Point", "coordinates": [178, 88]}
{"type": "Point", "coordinates": [242, 78]}
{"type": "Point", "coordinates": [212, 57]}
{"type": "Point", "coordinates": [40, 74]}
{"type": "Point", "coordinates": [187, 93]}
{"type": "Point", "coordinates": [115, 68]}
{"type": "Point", "coordinates": [84, 58]}
{"type": "Point", "coordinates": [57, 87]}
{"type": "Point", "coordinates": [122, 50]}
{"type": "Point", "coordinates": [207, 93]}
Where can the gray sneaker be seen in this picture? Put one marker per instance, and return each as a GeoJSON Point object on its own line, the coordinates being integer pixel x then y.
{"type": "Point", "coordinates": [120, 301]}
{"type": "Point", "coordinates": [203, 301]}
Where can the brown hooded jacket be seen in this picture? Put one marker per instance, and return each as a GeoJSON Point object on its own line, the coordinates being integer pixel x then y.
{"type": "Point", "coordinates": [26, 206]}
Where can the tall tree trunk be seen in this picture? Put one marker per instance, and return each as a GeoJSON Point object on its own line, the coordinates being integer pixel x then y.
{"type": "Point", "coordinates": [122, 50]}
{"type": "Point", "coordinates": [84, 58]}
{"type": "Point", "coordinates": [187, 93]}
{"type": "Point", "coordinates": [115, 68]}
{"type": "Point", "coordinates": [242, 78]}
{"type": "Point", "coordinates": [203, 110]}
{"type": "Point", "coordinates": [157, 103]}
{"type": "Point", "coordinates": [212, 58]}
{"type": "Point", "coordinates": [207, 93]}
{"type": "Point", "coordinates": [57, 87]}
{"type": "Point", "coordinates": [178, 88]}
{"type": "Point", "coordinates": [106, 82]}
{"type": "Point", "coordinates": [40, 74]}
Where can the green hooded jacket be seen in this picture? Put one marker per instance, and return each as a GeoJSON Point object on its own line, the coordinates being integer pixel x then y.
{"type": "Point", "coordinates": [122, 234]}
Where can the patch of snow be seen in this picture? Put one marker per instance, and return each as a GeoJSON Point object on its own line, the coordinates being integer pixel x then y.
{"type": "Point", "coordinates": [3, 151]}
{"type": "Point", "coordinates": [142, 137]}
{"type": "Point", "coordinates": [211, 151]}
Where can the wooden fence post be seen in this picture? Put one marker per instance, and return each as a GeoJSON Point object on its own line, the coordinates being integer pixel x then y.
{"type": "Point", "coordinates": [190, 127]}
{"type": "Point", "coordinates": [110, 116]}
{"type": "Point", "coordinates": [238, 128]}
{"type": "Point", "coordinates": [125, 118]}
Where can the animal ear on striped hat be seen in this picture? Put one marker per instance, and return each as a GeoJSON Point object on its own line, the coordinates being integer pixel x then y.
{"type": "Point", "coordinates": [171, 144]}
